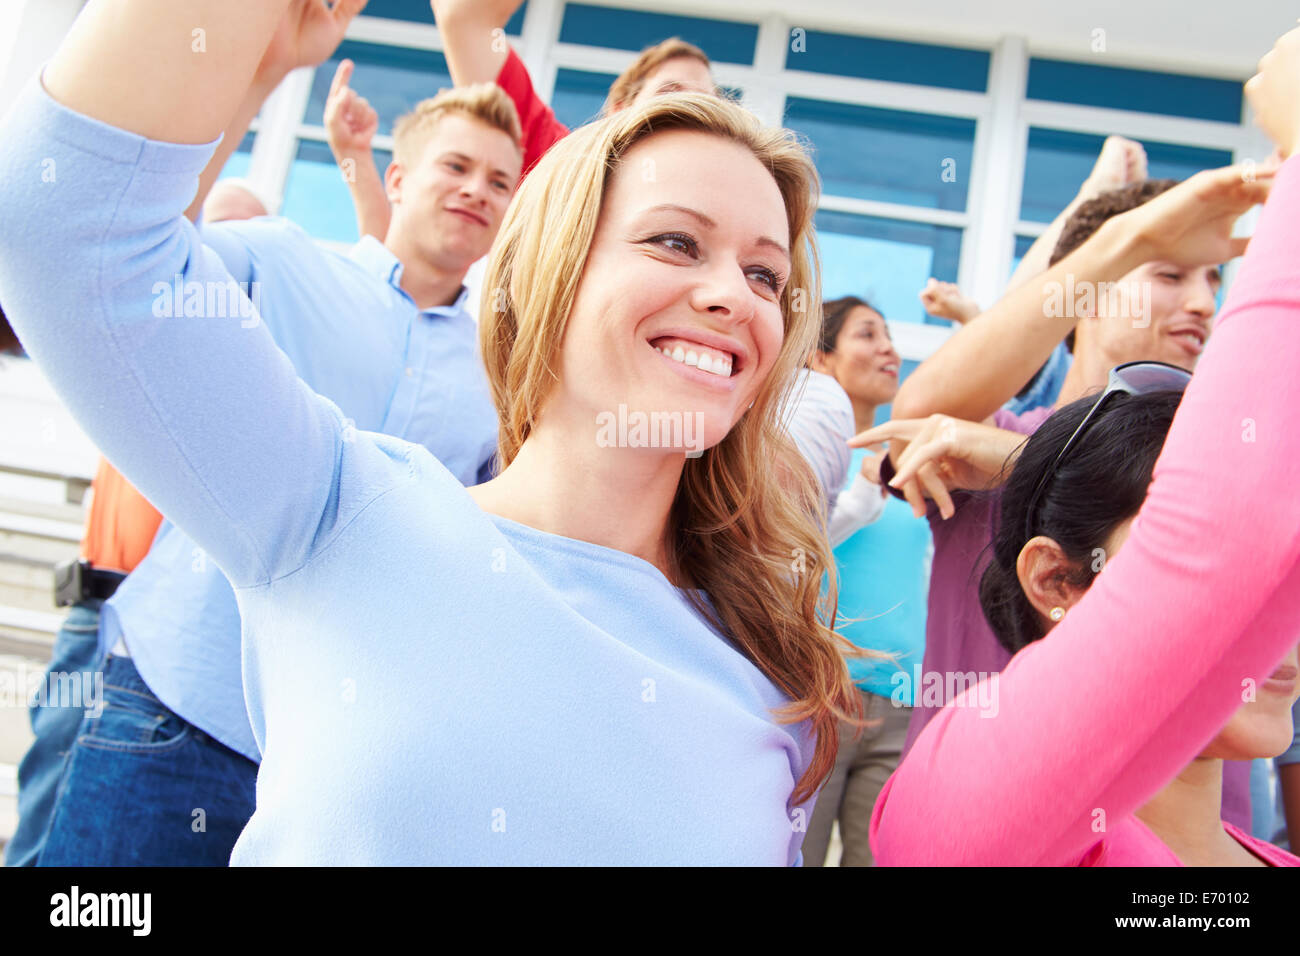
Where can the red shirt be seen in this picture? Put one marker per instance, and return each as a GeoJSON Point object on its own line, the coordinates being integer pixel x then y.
{"type": "Point", "coordinates": [541, 130]}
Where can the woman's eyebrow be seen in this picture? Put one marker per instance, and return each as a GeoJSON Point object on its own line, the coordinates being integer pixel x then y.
{"type": "Point", "coordinates": [709, 223]}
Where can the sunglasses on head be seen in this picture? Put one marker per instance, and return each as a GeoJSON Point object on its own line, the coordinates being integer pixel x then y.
{"type": "Point", "coordinates": [1131, 378]}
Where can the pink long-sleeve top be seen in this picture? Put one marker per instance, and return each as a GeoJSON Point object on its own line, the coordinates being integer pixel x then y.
{"type": "Point", "coordinates": [1096, 718]}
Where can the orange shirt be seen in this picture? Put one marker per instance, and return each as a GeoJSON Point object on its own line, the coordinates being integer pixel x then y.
{"type": "Point", "coordinates": [121, 523]}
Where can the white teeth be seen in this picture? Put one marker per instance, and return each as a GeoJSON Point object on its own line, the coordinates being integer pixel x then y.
{"type": "Point", "coordinates": [716, 365]}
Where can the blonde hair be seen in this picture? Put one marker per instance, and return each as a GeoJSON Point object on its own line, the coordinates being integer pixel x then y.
{"type": "Point", "coordinates": [624, 89]}
{"type": "Point", "coordinates": [741, 527]}
{"type": "Point", "coordinates": [485, 102]}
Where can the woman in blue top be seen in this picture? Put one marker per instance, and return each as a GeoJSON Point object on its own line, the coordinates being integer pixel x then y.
{"type": "Point", "coordinates": [616, 652]}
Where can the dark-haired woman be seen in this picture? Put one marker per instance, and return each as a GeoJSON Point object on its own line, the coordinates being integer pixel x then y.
{"type": "Point", "coordinates": [1067, 509]}
{"type": "Point", "coordinates": [1111, 728]}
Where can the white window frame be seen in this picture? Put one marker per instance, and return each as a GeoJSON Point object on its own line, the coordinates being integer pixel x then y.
{"type": "Point", "coordinates": [1003, 117]}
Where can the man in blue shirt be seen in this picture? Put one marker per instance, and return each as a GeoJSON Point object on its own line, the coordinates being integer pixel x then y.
{"type": "Point", "coordinates": [167, 774]}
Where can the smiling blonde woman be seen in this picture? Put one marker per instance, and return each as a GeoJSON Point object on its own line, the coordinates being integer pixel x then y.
{"type": "Point", "coordinates": [603, 655]}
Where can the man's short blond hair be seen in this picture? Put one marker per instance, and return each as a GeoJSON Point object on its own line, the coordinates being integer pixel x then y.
{"type": "Point", "coordinates": [485, 102]}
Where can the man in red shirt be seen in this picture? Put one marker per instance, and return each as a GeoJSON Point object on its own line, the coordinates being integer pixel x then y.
{"type": "Point", "coordinates": [477, 52]}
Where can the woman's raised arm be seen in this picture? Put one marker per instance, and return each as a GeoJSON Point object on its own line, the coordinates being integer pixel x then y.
{"type": "Point", "coordinates": [158, 353]}
{"type": "Point", "coordinates": [1094, 719]}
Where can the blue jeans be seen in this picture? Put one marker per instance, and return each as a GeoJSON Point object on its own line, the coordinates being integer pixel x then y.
{"type": "Point", "coordinates": [55, 724]}
{"type": "Point", "coordinates": [143, 787]}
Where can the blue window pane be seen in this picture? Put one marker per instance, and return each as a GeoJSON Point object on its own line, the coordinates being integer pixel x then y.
{"type": "Point", "coordinates": [237, 165]}
{"type": "Point", "coordinates": [515, 25]}
{"type": "Point", "coordinates": [316, 197]}
{"type": "Point", "coordinates": [868, 153]}
{"type": "Point", "coordinates": [392, 78]}
{"type": "Point", "coordinates": [579, 96]}
{"type": "Point", "coordinates": [885, 412]}
{"type": "Point", "coordinates": [421, 12]}
{"type": "Point", "coordinates": [885, 261]}
{"type": "Point", "coordinates": [1022, 246]}
{"type": "Point", "coordinates": [891, 60]}
{"type": "Point", "coordinates": [723, 40]}
{"type": "Point", "coordinates": [416, 10]}
{"type": "Point", "coordinates": [1143, 90]}
{"type": "Point", "coordinates": [1057, 163]}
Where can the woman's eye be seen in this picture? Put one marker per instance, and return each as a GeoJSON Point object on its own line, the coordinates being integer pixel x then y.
{"type": "Point", "coordinates": [768, 278]}
{"type": "Point", "coordinates": [678, 242]}
{"type": "Point", "coordinates": [1171, 276]}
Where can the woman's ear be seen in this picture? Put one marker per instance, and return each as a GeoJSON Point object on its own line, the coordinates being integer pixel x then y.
{"type": "Point", "coordinates": [1045, 572]}
{"type": "Point", "coordinates": [821, 362]}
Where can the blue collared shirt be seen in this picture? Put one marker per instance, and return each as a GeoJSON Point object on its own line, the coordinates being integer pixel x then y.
{"type": "Point", "coordinates": [354, 336]}
{"type": "Point", "coordinates": [427, 682]}
{"type": "Point", "coordinates": [1045, 387]}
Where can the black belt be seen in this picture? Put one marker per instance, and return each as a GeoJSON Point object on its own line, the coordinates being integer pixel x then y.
{"type": "Point", "coordinates": [77, 581]}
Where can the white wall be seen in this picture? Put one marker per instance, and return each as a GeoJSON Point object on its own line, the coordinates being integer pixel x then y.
{"type": "Point", "coordinates": [30, 31]}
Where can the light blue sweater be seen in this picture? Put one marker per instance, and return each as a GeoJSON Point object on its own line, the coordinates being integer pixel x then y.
{"type": "Point", "coordinates": [427, 683]}
{"type": "Point", "coordinates": [353, 335]}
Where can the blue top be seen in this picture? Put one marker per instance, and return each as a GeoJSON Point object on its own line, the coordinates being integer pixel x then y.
{"type": "Point", "coordinates": [427, 683]}
{"type": "Point", "coordinates": [884, 574]}
{"type": "Point", "coordinates": [1292, 753]}
{"type": "Point", "coordinates": [1045, 386]}
{"type": "Point", "coordinates": [353, 335]}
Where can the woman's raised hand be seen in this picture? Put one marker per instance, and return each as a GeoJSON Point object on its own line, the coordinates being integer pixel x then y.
{"type": "Point", "coordinates": [1274, 93]}
{"type": "Point", "coordinates": [944, 300]}
{"type": "Point", "coordinates": [1191, 224]}
{"type": "Point", "coordinates": [310, 31]}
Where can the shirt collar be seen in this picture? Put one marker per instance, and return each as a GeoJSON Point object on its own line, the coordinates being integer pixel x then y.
{"type": "Point", "coordinates": [378, 260]}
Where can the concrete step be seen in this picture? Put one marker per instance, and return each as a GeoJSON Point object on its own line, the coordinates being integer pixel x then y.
{"type": "Point", "coordinates": [39, 508]}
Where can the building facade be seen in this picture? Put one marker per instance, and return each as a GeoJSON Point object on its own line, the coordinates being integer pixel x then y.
{"type": "Point", "coordinates": [947, 135]}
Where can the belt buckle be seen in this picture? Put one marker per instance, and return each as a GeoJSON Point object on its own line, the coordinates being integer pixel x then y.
{"type": "Point", "coordinates": [70, 579]}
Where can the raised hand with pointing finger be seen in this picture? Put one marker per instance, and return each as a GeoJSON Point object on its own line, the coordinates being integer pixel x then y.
{"type": "Point", "coordinates": [350, 121]}
{"type": "Point", "coordinates": [943, 454]}
{"type": "Point", "coordinates": [350, 127]}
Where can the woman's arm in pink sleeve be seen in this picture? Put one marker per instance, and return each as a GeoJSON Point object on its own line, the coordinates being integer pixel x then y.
{"type": "Point", "coordinates": [1096, 718]}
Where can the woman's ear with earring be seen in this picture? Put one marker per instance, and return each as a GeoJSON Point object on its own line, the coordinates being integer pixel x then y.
{"type": "Point", "coordinates": [1057, 613]}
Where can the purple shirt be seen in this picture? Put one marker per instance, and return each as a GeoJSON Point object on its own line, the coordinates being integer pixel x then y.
{"type": "Point", "coordinates": [960, 648]}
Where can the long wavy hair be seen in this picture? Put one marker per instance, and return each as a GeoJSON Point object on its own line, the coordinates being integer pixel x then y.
{"type": "Point", "coordinates": [742, 527]}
